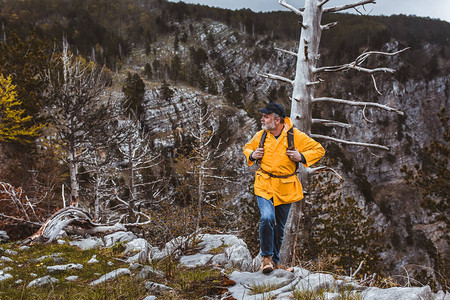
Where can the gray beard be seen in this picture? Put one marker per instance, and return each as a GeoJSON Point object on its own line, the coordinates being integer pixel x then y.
{"type": "Point", "coordinates": [270, 126]}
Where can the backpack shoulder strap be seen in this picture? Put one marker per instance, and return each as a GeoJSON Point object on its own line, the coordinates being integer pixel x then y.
{"type": "Point", "coordinates": [263, 139]}
{"type": "Point", "coordinates": [290, 139]}
{"type": "Point", "coordinates": [261, 143]}
{"type": "Point", "coordinates": [291, 145]}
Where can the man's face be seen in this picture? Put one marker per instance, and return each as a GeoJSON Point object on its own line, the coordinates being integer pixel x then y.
{"type": "Point", "coordinates": [268, 122]}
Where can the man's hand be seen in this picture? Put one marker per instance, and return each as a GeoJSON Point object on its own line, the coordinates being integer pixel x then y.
{"type": "Point", "coordinates": [258, 153]}
{"type": "Point", "coordinates": [294, 155]}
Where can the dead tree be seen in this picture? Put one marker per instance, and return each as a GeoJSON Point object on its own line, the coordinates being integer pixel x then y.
{"type": "Point", "coordinates": [306, 78]}
{"type": "Point", "coordinates": [138, 156]}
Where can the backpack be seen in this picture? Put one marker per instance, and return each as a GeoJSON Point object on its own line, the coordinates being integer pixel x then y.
{"type": "Point", "coordinates": [291, 146]}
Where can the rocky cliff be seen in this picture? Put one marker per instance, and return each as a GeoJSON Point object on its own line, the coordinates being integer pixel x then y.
{"type": "Point", "coordinates": [373, 177]}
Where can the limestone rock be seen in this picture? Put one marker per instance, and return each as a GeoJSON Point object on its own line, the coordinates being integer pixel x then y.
{"type": "Point", "coordinates": [88, 243]}
{"type": "Point", "coordinates": [316, 282]}
{"type": "Point", "coordinates": [93, 259]}
{"type": "Point", "coordinates": [195, 260]}
{"type": "Point", "coordinates": [72, 278]}
{"type": "Point", "coordinates": [56, 257]}
{"type": "Point", "coordinates": [111, 275]}
{"type": "Point", "coordinates": [117, 237]}
{"type": "Point", "coordinates": [277, 279]}
{"type": "Point", "coordinates": [4, 276]}
{"type": "Point", "coordinates": [67, 267]}
{"type": "Point", "coordinates": [398, 293]}
{"type": "Point", "coordinates": [10, 252]}
{"type": "Point", "coordinates": [3, 237]}
{"type": "Point", "coordinates": [42, 281]}
{"type": "Point", "coordinates": [156, 288]}
{"type": "Point", "coordinates": [5, 259]}
{"type": "Point", "coordinates": [147, 271]}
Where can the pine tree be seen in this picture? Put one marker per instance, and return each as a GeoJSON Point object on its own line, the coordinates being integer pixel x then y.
{"type": "Point", "coordinates": [134, 90]}
{"type": "Point", "coordinates": [13, 125]}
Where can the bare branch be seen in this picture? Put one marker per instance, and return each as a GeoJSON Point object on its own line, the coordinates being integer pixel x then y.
{"type": "Point", "coordinates": [347, 6]}
{"type": "Point", "coordinates": [324, 137]}
{"type": "Point", "coordinates": [352, 65]}
{"type": "Point", "coordinates": [276, 77]}
{"type": "Point", "coordinates": [286, 51]}
{"type": "Point", "coordinates": [364, 115]}
{"type": "Point", "coordinates": [323, 168]}
{"type": "Point", "coordinates": [357, 270]}
{"type": "Point", "coordinates": [358, 103]}
{"type": "Point", "coordinates": [375, 85]}
{"type": "Point", "coordinates": [310, 83]}
{"type": "Point", "coordinates": [361, 13]}
{"type": "Point", "coordinates": [20, 220]}
{"type": "Point", "coordinates": [288, 6]}
{"type": "Point", "coordinates": [356, 65]}
{"type": "Point", "coordinates": [328, 26]}
{"type": "Point", "coordinates": [322, 3]}
{"type": "Point", "coordinates": [330, 123]}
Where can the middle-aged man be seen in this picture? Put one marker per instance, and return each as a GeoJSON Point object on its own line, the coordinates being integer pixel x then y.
{"type": "Point", "coordinates": [276, 184]}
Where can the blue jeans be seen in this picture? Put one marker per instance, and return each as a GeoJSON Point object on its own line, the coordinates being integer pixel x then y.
{"type": "Point", "coordinates": [271, 227]}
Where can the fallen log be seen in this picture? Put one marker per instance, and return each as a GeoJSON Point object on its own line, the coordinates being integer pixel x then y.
{"type": "Point", "coordinates": [73, 216]}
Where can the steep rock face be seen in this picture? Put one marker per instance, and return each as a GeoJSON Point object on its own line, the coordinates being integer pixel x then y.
{"type": "Point", "coordinates": [415, 238]}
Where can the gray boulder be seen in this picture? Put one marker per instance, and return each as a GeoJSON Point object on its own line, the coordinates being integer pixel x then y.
{"type": "Point", "coordinates": [111, 275]}
{"type": "Point", "coordinates": [3, 237]}
{"type": "Point", "coordinates": [11, 252]}
{"type": "Point", "coordinates": [278, 279]}
{"type": "Point", "coordinates": [156, 288]}
{"type": "Point", "coordinates": [144, 251]}
{"type": "Point", "coordinates": [196, 260]}
{"type": "Point", "coordinates": [223, 250]}
{"type": "Point", "coordinates": [93, 259]}
{"type": "Point", "coordinates": [88, 243]}
{"type": "Point", "coordinates": [316, 282]}
{"type": "Point", "coordinates": [398, 293]}
{"type": "Point", "coordinates": [148, 271]}
{"type": "Point", "coordinates": [6, 259]}
{"type": "Point", "coordinates": [56, 257]}
{"type": "Point", "coordinates": [117, 237]}
{"type": "Point", "coordinates": [72, 278]}
{"type": "Point", "coordinates": [42, 281]}
{"type": "Point", "coordinates": [441, 295]}
{"type": "Point", "coordinates": [4, 276]}
{"type": "Point", "coordinates": [67, 267]}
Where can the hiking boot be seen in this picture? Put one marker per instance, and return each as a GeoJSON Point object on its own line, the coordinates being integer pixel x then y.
{"type": "Point", "coordinates": [266, 264]}
{"type": "Point", "coordinates": [283, 267]}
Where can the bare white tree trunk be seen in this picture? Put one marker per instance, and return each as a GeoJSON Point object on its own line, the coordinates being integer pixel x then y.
{"type": "Point", "coordinates": [74, 184]}
{"type": "Point", "coordinates": [301, 107]}
{"type": "Point", "coordinates": [303, 94]}
{"type": "Point", "coordinates": [132, 187]}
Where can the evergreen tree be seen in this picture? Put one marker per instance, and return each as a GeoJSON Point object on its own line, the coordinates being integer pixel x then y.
{"type": "Point", "coordinates": [336, 227]}
{"type": "Point", "coordinates": [175, 69]}
{"type": "Point", "coordinates": [166, 91]}
{"type": "Point", "coordinates": [148, 71]}
{"type": "Point", "coordinates": [134, 91]}
{"type": "Point", "coordinates": [26, 61]}
{"type": "Point", "coordinates": [13, 125]}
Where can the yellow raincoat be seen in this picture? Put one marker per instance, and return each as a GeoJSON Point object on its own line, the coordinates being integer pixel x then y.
{"type": "Point", "coordinates": [276, 162]}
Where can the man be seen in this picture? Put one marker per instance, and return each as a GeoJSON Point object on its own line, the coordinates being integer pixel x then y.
{"type": "Point", "coordinates": [276, 184]}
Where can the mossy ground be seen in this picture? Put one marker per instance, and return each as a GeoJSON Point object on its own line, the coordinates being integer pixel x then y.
{"type": "Point", "coordinates": [186, 283]}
